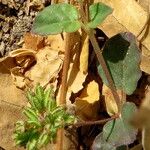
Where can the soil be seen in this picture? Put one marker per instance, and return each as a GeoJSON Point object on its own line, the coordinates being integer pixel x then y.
{"type": "Point", "coordinates": [16, 18]}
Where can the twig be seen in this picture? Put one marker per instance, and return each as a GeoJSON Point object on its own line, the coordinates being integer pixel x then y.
{"type": "Point", "coordinates": [62, 100]}
{"type": "Point", "coordinates": [87, 123]}
{"type": "Point", "coordinates": [105, 68]}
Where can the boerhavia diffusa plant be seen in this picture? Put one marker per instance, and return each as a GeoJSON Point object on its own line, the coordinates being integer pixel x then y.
{"type": "Point", "coordinates": [118, 66]}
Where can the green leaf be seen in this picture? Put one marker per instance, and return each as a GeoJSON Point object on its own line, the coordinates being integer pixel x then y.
{"type": "Point", "coordinates": [47, 98]}
{"type": "Point", "coordinates": [31, 145]}
{"type": "Point", "coordinates": [22, 138]}
{"type": "Point", "coordinates": [55, 19]}
{"type": "Point", "coordinates": [39, 92]}
{"type": "Point", "coordinates": [30, 98]}
{"type": "Point", "coordinates": [32, 115]}
{"type": "Point", "coordinates": [98, 13]}
{"type": "Point", "coordinates": [118, 132]}
{"type": "Point", "coordinates": [43, 139]}
{"type": "Point", "coordinates": [101, 144]}
{"type": "Point", "coordinates": [123, 58]}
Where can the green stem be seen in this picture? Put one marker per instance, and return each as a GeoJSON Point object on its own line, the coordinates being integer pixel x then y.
{"type": "Point", "coordinates": [99, 55]}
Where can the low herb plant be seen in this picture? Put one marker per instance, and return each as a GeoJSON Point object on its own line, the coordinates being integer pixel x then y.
{"type": "Point", "coordinates": [118, 66]}
{"type": "Point", "coordinates": [43, 118]}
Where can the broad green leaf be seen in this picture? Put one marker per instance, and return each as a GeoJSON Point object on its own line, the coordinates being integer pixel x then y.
{"type": "Point", "coordinates": [55, 19]}
{"type": "Point", "coordinates": [98, 13]}
{"type": "Point", "coordinates": [101, 144]}
{"type": "Point", "coordinates": [122, 56]}
{"type": "Point", "coordinates": [118, 132]}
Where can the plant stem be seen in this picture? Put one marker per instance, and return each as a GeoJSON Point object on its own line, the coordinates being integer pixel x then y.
{"type": "Point", "coordinates": [98, 53]}
{"type": "Point", "coordinates": [87, 123]}
{"type": "Point", "coordinates": [101, 60]}
{"type": "Point", "coordinates": [62, 100]}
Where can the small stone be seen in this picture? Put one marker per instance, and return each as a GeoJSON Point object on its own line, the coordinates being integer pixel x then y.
{"type": "Point", "coordinates": [5, 27]}
{"type": "Point", "coordinates": [2, 48]}
{"type": "Point", "coordinates": [32, 14]}
{"type": "Point", "coordinates": [1, 33]}
{"type": "Point", "coordinates": [20, 13]}
{"type": "Point", "coordinates": [4, 2]}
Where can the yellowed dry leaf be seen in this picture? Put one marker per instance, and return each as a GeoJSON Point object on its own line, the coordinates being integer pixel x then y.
{"type": "Point", "coordinates": [76, 77]}
{"type": "Point", "coordinates": [145, 64]}
{"type": "Point", "coordinates": [32, 41]}
{"type": "Point", "coordinates": [110, 103]}
{"type": "Point", "coordinates": [144, 3]}
{"type": "Point", "coordinates": [11, 102]}
{"type": "Point", "coordinates": [129, 14]}
{"type": "Point", "coordinates": [46, 70]}
{"type": "Point", "coordinates": [87, 102]}
{"type": "Point", "coordinates": [84, 53]}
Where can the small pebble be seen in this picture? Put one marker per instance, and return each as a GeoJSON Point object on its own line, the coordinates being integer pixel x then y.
{"type": "Point", "coordinates": [2, 48]}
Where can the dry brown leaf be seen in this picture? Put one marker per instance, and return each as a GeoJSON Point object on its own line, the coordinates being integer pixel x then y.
{"type": "Point", "coordinates": [87, 102]}
{"type": "Point", "coordinates": [110, 103]}
{"type": "Point", "coordinates": [32, 41]}
{"type": "Point", "coordinates": [11, 102]}
{"type": "Point", "coordinates": [145, 64]}
{"type": "Point", "coordinates": [56, 42]}
{"type": "Point", "coordinates": [17, 62]}
{"type": "Point", "coordinates": [84, 53]}
{"type": "Point", "coordinates": [129, 14]}
{"type": "Point", "coordinates": [46, 70]}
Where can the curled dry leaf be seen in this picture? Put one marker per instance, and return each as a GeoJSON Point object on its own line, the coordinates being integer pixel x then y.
{"type": "Point", "coordinates": [87, 102]}
{"type": "Point", "coordinates": [17, 62]}
{"type": "Point", "coordinates": [111, 105]}
{"type": "Point", "coordinates": [46, 70]}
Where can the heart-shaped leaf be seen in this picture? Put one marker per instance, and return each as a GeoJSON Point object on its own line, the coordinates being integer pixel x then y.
{"type": "Point", "coordinates": [122, 57]}
{"type": "Point", "coordinates": [101, 144]}
{"type": "Point", "coordinates": [117, 132]}
{"type": "Point", "coordinates": [55, 19]}
{"type": "Point", "coordinates": [98, 12]}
